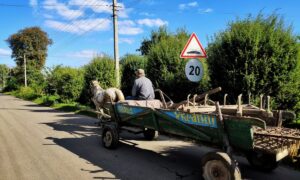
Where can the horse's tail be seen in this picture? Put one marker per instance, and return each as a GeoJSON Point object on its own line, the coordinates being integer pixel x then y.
{"type": "Point", "coordinates": [120, 95]}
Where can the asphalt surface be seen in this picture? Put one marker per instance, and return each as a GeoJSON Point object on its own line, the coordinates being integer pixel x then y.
{"type": "Point", "coordinates": [41, 143]}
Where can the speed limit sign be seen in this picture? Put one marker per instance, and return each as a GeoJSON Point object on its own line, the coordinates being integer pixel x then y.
{"type": "Point", "coordinates": [194, 70]}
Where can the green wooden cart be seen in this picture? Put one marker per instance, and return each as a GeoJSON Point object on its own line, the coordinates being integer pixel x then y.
{"type": "Point", "coordinates": [210, 124]}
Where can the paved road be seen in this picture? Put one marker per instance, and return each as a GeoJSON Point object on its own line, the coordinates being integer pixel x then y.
{"type": "Point", "coordinates": [41, 143]}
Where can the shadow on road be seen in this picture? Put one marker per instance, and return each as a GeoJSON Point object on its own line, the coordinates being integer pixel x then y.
{"type": "Point", "coordinates": [130, 161]}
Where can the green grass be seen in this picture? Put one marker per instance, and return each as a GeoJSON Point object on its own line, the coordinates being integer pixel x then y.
{"type": "Point", "coordinates": [75, 107]}
{"type": "Point", "coordinates": [53, 102]}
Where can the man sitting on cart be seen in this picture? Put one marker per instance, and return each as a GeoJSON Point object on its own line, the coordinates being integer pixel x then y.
{"type": "Point", "coordinates": [142, 88]}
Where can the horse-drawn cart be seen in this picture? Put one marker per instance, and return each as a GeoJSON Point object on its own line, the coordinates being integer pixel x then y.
{"type": "Point", "coordinates": [230, 128]}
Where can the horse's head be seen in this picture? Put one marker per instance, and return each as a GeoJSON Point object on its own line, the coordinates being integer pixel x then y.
{"type": "Point", "coordinates": [95, 86]}
{"type": "Point", "coordinates": [95, 83]}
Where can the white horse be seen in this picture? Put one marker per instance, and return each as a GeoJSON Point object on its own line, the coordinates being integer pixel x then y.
{"type": "Point", "coordinates": [102, 96]}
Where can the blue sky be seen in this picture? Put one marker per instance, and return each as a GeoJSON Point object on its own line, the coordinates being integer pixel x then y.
{"type": "Point", "coordinates": [82, 29]}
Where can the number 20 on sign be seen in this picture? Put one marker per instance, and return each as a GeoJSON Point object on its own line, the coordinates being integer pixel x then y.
{"type": "Point", "coordinates": [194, 70]}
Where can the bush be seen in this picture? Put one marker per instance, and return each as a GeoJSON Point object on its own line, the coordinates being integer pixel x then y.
{"type": "Point", "coordinates": [101, 69]}
{"type": "Point", "coordinates": [166, 69]}
{"type": "Point", "coordinates": [26, 93]}
{"type": "Point", "coordinates": [130, 63]}
{"type": "Point", "coordinates": [255, 55]}
{"type": "Point", "coordinates": [11, 85]}
{"type": "Point", "coordinates": [66, 82]}
{"type": "Point", "coordinates": [36, 80]}
{"type": "Point", "coordinates": [47, 100]}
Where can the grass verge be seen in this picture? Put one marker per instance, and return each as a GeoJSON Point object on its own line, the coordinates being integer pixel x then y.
{"type": "Point", "coordinates": [53, 102]}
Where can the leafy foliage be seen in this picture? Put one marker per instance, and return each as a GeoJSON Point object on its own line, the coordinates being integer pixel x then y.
{"type": "Point", "coordinates": [66, 82]}
{"type": "Point", "coordinates": [289, 95]}
{"type": "Point", "coordinates": [257, 55]}
{"type": "Point", "coordinates": [4, 71]}
{"type": "Point", "coordinates": [47, 100]}
{"type": "Point", "coordinates": [165, 68]}
{"type": "Point", "coordinates": [26, 93]}
{"type": "Point", "coordinates": [130, 63]}
{"type": "Point", "coordinates": [12, 81]}
{"type": "Point", "coordinates": [32, 42]}
{"type": "Point", "coordinates": [101, 69]}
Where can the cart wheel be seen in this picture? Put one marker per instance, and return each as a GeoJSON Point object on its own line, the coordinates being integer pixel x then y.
{"type": "Point", "coordinates": [110, 137]}
{"type": "Point", "coordinates": [262, 161]}
{"type": "Point", "coordinates": [150, 134]}
{"type": "Point", "coordinates": [219, 166]}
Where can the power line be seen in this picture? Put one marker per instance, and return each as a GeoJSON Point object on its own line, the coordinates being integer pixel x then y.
{"type": "Point", "coordinates": [76, 37]}
{"type": "Point", "coordinates": [51, 5]}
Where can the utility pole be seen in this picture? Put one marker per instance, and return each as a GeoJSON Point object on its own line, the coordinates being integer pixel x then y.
{"type": "Point", "coordinates": [25, 73]}
{"type": "Point", "coordinates": [116, 45]}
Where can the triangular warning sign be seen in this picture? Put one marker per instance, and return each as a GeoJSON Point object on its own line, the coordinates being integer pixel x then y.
{"type": "Point", "coordinates": [193, 48]}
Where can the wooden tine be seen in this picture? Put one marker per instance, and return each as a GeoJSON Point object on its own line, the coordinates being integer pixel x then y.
{"type": "Point", "coordinates": [194, 100]}
{"type": "Point", "coordinates": [268, 103]}
{"type": "Point", "coordinates": [240, 108]}
{"type": "Point", "coordinates": [188, 100]}
{"type": "Point", "coordinates": [249, 98]}
{"type": "Point", "coordinates": [205, 99]}
{"type": "Point", "coordinates": [261, 101]}
{"type": "Point", "coordinates": [225, 98]}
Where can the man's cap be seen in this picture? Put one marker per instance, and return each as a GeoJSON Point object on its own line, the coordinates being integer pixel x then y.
{"type": "Point", "coordinates": [140, 72]}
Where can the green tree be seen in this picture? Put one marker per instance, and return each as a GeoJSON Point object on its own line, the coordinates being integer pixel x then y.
{"type": "Point", "coordinates": [130, 63]}
{"type": "Point", "coordinates": [66, 82]}
{"type": "Point", "coordinates": [289, 94]}
{"type": "Point", "coordinates": [101, 69]}
{"type": "Point", "coordinates": [155, 37]}
{"type": "Point", "coordinates": [31, 42]}
{"type": "Point", "coordinates": [12, 82]}
{"type": "Point", "coordinates": [4, 70]}
{"type": "Point", "coordinates": [254, 55]}
{"type": "Point", "coordinates": [165, 68]}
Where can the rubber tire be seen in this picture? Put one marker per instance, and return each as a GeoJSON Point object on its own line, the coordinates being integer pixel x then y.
{"type": "Point", "coordinates": [218, 165]}
{"type": "Point", "coordinates": [261, 161]}
{"type": "Point", "coordinates": [150, 134]}
{"type": "Point", "coordinates": [110, 137]}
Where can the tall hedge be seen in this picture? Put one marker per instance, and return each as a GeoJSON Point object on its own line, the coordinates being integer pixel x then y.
{"type": "Point", "coordinates": [165, 68]}
{"type": "Point", "coordinates": [66, 82]}
{"type": "Point", "coordinates": [130, 63]}
{"type": "Point", "coordinates": [255, 55]}
{"type": "Point", "coordinates": [101, 69]}
{"type": "Point", "coordinates": [4, 71]}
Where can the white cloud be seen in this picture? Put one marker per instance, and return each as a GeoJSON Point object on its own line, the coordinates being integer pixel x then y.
{"type": "Point", "coordinates": [5, 52]}
{"type": "Point", "coordinates": [123, 13]}
{"type": "Point", "coordinates": [188, 5]}
{"type": "Point", "coordinates": [101, 6]}
{"type": "Point", "coordinates": [126, 40]}
{"type": "Point", "coordinates": [193, 4]}
{"type": "Point", "coordinates": [152, 22]}
{"type": "Point", "coordinates": [63, 10]}
{"type": "Point", "coordinates": [204, 11]}
{"type": "Point", "coordinates": [86, 54]}
{"type": "Point", "coordinates": [127, 30]}
{"type": "Point", "coordinates": [182, 6]}
{"type": "Point", "coordinates": [146, 14]}
{"type": "Point", "coordinates": [98, 6]}
{"type": "Point", "coordinates": [128, 27]}
{"type": "Point", "coordinates": [33, 3]}
{"type": "Point", "coordinates": [126, 23]}
{"type": "Point", "coordinates": [48, 16]}
{"type": "Point", "coordinates": [80, 26]}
